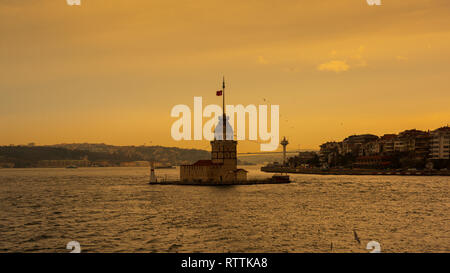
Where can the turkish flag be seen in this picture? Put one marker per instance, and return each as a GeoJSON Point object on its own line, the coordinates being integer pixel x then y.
{"type": "Point", "coordinates": [219, 93]}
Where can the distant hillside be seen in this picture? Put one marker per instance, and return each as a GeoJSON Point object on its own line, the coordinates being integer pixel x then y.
{"type": "Point", "coordinates": [32, 156]}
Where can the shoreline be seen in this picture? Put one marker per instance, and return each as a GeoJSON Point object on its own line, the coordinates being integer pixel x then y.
{"type": "Point", "coordinates": [89, 167]}
{"type": "Point", "coordinates": [225, 183]}
{"type": "Point", "coordinates": [354, 171]}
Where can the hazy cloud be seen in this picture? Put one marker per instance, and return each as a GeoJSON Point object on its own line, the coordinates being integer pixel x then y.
{"type": "Point", "coordinates": [335, 66]}
{"type": "Point", "coordinates": [401, 58]}
{"type": "Point", "coordinates": [347, 60]}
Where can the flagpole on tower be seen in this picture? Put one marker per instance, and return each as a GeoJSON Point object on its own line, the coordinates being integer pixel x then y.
{"type": "Point", "coordinates": [223, 111]}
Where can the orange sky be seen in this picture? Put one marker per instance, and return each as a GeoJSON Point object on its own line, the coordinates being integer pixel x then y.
{"type": "Point", "coordinates": [111, 71]}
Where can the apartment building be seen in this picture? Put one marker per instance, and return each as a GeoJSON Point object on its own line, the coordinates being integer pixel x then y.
{"type": "Point", "coordinates": [440, 143]}
{"type": "Point", "coordinates": [415, 141]}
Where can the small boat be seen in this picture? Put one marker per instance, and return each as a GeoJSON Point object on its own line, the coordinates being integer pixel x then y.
{"type": "Point", "coordinates": [72, 167]}
{"type": "Point", "coordinates": [281, 179]}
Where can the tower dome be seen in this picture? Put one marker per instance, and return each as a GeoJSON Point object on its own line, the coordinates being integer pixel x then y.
{"type": "Point", "coordinates": [218, 131]}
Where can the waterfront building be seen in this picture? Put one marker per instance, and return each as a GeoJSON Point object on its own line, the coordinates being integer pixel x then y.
{"type": "Point", "coordinates": [353, 144]}
{"type": "Point", "coordinates": [411, 147]}
{"type": "Point", "coordinates": [374, 161]}
{"type": "Point", "coordinates": [370, 148]}
{"type": "Point", "coordinates": [387, 142]}
{"type": "Point", "coordinates": [440, 143]}
{"type": "Point", "coordinates": [304, 157]}
{"type": "Point", "coordinates": [413, 141]}
{"type": "Point", "coordinates": [329, 152]}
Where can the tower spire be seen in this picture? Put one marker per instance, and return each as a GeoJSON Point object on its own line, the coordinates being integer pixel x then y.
{"type": "Point", "coordinates": [224, 122]}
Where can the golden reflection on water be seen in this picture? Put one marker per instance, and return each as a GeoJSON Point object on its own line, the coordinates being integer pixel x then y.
{"type": "Point", "coordinates": [115, 210]}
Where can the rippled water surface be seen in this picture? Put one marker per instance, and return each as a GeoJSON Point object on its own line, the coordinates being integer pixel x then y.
{"type": "Point", "coordinates": [115, 210]}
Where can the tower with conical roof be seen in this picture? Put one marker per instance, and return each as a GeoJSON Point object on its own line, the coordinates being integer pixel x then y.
{"type": "Point", "coordinates": [223, 147]}
{"type": "Point", "coordinates": [222, 168]}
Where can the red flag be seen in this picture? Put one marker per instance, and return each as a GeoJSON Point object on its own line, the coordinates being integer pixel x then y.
{"type": "Point", "coordinates": [219, 93]}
